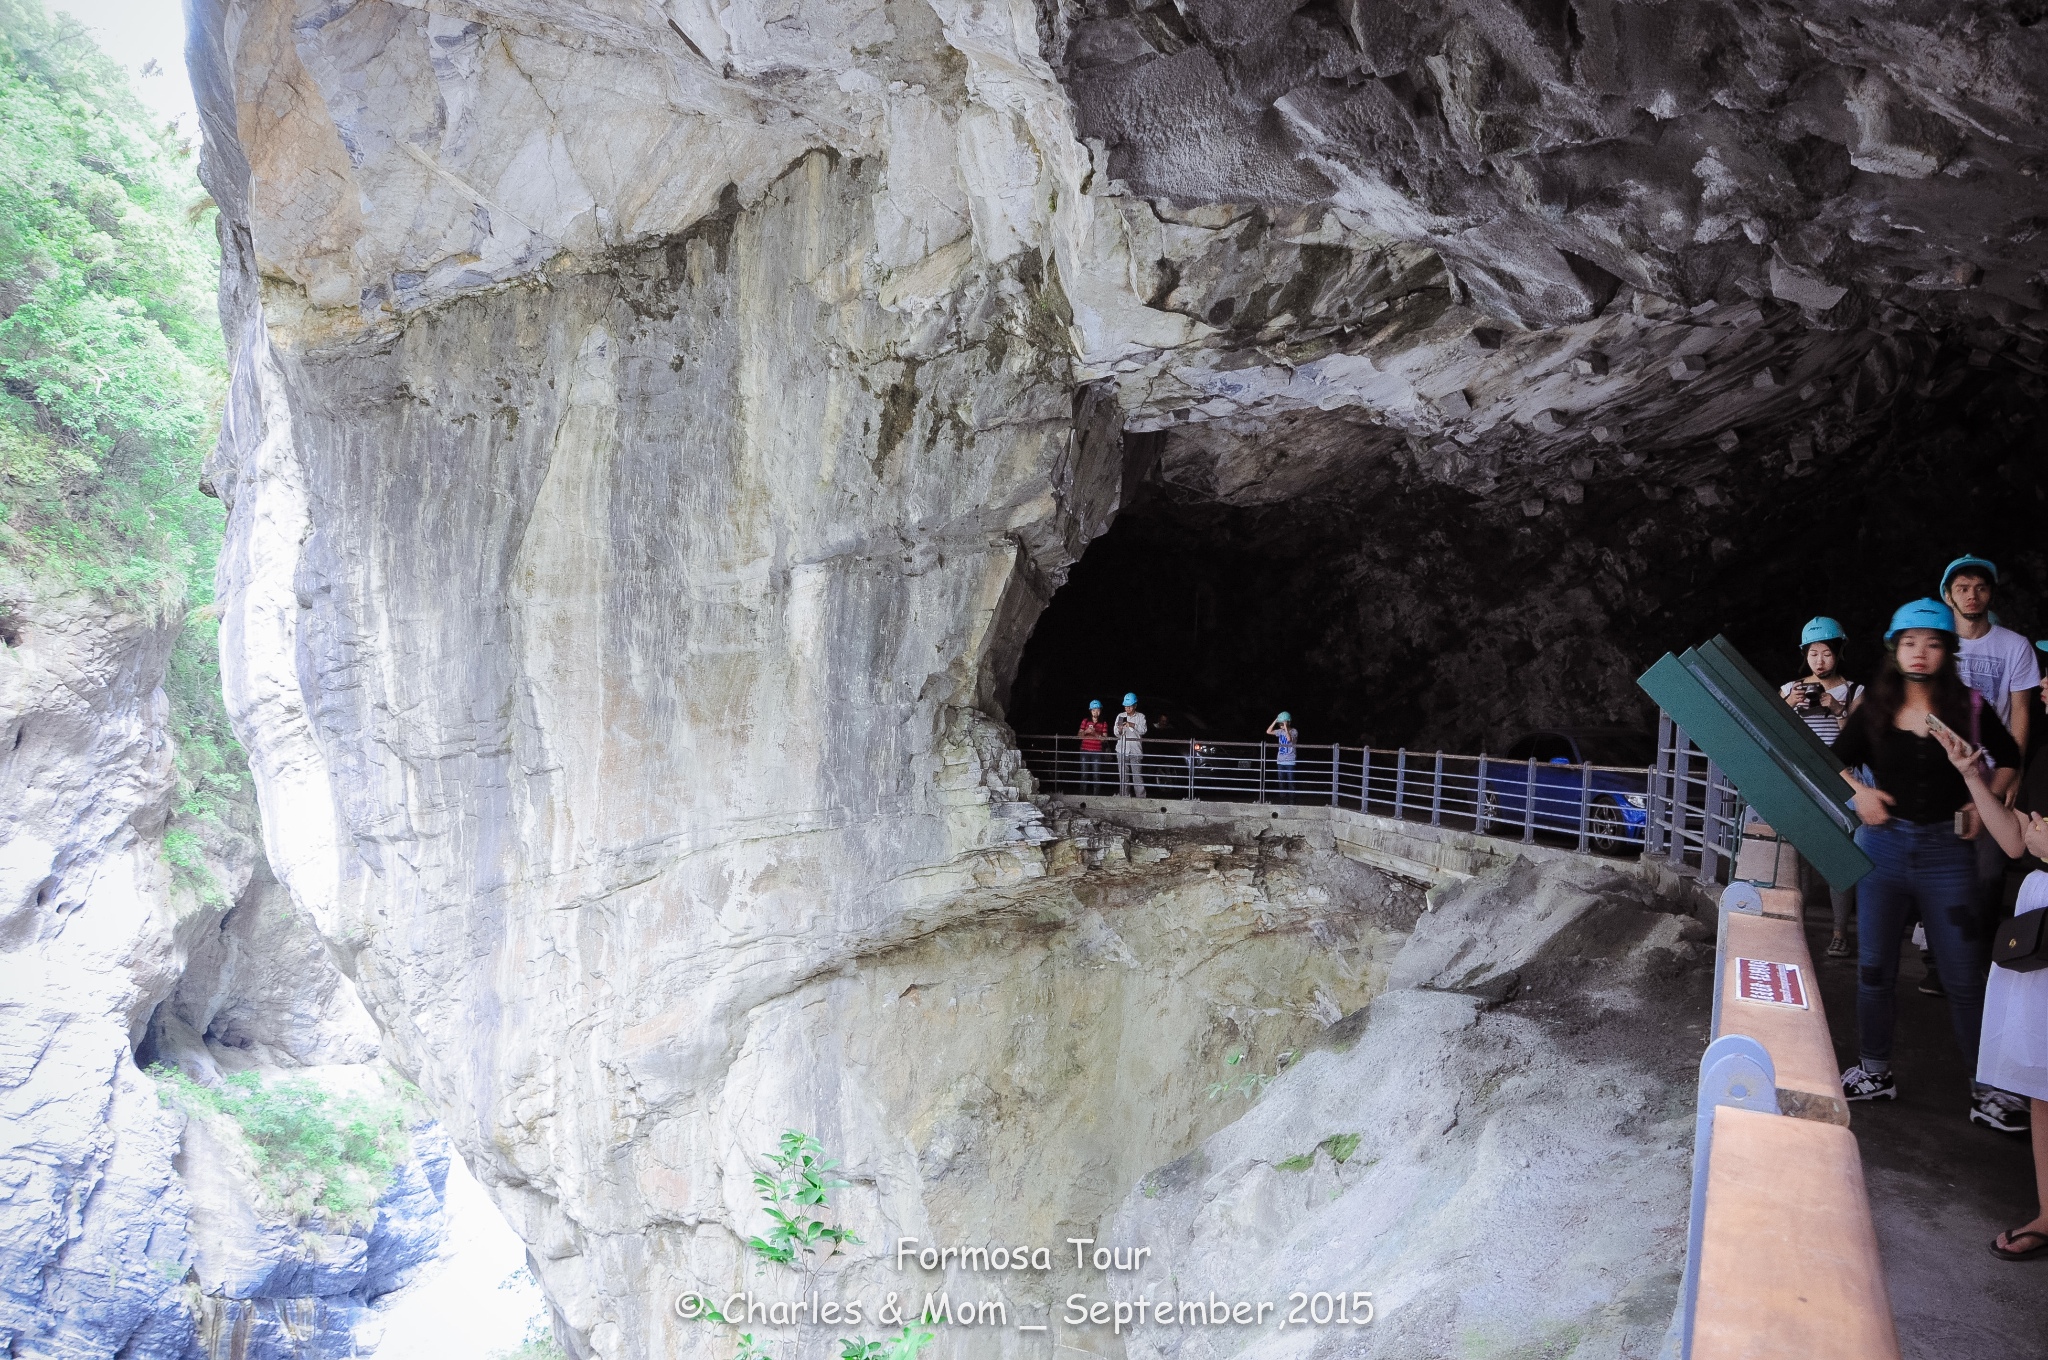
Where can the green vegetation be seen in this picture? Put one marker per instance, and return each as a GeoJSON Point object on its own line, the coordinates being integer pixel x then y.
{"type": "Point", "coordinates": [111, 377]}
{"type": "Point", "coordinates": [538, 1344]}
{"type": "Point", "coordinates": [111, 366]}
{"type": "Point", "coordinates": [314, 1151]}
{"type": "Point", "coordinates": [1247, 1083]}
{"type": "Point", "coordinates": [904, 1347]}
{"type": "Point", "coordinates": [802, 1179]}
{"type": "Point", "coordinates": [1340, 1146]}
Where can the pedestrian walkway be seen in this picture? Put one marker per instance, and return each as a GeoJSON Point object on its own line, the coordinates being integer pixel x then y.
{"type": "Point", "coordinates": [1940, 1187]}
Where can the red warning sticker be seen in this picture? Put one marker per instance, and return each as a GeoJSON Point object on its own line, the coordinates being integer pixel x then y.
{"type": "Point", "coordinates": [1772, 984]}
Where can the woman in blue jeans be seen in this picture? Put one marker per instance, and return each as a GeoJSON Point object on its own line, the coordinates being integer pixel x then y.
{"type": "Point", "coordinates": [1912, 817]}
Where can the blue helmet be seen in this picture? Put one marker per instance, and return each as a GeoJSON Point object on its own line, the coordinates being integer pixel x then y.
{"type": "Point", "coordinates": [1983, 564]}
{"type": "Point", "coordinates": [1130, 699]}
{"type": "Point", "coordinates": [1285, 716]}
{"type": "Point", "coordinates": [1921, 614]}
{"type": "Point", "coordinates": [1095, 703]}
{"type": "Point", "coordinates": [1822, 629]}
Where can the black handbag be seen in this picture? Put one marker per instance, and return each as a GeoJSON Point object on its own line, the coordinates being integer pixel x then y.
{"type": "Point", "coordinates": [2021, 944]}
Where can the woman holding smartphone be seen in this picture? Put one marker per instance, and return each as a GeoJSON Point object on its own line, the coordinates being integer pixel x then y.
{"type": "Point", "coordinates": [2014, 1051]}
{"type": "Point", "coordinates": [1917, 827]}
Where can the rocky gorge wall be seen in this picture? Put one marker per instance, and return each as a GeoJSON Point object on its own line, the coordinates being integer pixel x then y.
{"type": "Point", "coordinates": [656, 429]}
{"type": "Point", "coordinates": [127, 1225]}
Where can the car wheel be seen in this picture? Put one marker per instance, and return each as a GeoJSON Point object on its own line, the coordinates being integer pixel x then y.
{"type": "Point", "coordinates": [1606, 829]}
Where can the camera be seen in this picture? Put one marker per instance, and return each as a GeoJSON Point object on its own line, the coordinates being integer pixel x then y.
{"type": "Point", "coordinates": [1809, 697]}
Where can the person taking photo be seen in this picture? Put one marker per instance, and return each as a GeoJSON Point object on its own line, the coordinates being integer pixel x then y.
{"type": "Point", "coordinates": [1822, 698]}
{"type": "Point", "coordinates": [1918, 822]}
{"type": "Point", "coordinates": [1130, 749]}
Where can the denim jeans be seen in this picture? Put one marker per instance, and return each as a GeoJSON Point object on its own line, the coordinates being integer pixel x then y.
{"type": "Point", "coordinates": [1091, 772]}
{"type": "Point", "coordinates": [1287, 782]}
{"type": "Point", "coordinates": [1923, 864]}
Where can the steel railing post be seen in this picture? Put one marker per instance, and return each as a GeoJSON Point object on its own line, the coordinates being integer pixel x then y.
{"type": "Point", "coordinates": [1479, 822]}
{"type": "Point", "coordinates": [1436, 792]}
{"type": "Point", "coordinates": [1400, 779]}
{"type": "Point", "coordinates": [1529, 805]}
{"type": "Point", "coordinates": [1262, 772]}
{"type": "Point", "coordinates": [1336, 759]}
{"type": "Point", "coordinates": [1585, 802]}
{"type": "Point", "coordinates": [1710, 826]}
{"type": "Point", "coordinates": [1365, 779]}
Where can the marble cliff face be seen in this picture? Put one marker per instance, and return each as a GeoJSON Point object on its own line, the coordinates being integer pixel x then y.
{"type": "Point", "coordinates": [656, 427]}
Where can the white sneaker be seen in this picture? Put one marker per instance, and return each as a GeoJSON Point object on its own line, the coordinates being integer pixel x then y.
{"type": "Point", "coordinates": [2001, 1110]}
{"type": "Point", "coordinates": [1858, 1084]}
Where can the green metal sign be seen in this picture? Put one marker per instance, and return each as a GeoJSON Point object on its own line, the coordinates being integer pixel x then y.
{"type": "Point", "coordinates": [1777, 763]}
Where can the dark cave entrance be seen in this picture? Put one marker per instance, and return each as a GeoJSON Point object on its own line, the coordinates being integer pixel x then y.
{"type": "Point", "coordinates": [1380, 607]}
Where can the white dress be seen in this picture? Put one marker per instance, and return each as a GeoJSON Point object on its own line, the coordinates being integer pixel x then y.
{"type": "Point", "coordinates": [2013, 1055]}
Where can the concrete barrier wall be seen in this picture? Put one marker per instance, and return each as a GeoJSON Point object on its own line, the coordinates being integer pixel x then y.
{"type": "Point", "coordinates": [1430, 855]}
{"type": "Point", "coordinates": [1785, 1258]}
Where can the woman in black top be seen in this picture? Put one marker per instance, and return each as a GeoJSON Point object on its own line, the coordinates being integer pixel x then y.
{"type": "Point", "coordinates": [1917, 826]}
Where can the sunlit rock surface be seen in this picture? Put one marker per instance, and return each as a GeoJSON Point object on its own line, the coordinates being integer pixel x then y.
{"type": "Point", "coordinates": [124, 1228]}
{"type": "Point", "coordinates": [656, 429]}
{"type": "Point", "coordinates": [1498, 1152]}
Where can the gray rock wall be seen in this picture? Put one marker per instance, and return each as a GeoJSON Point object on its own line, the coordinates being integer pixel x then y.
{"type": "Point", "coordinates": [656, 429]}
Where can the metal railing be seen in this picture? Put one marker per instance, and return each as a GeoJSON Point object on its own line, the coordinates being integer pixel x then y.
{"type": "Point", "coordinates": [1598, 807]}
{"type": "Point", "coordinates": [1695, 814]}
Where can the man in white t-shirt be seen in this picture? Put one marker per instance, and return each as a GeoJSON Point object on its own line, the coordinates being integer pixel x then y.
{"type": "Point", "coordinates": [1995, 661]}
{"type": "Point", "coordinates": [2003, 667]}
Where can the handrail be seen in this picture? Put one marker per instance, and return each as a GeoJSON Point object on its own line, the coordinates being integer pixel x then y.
{"type": "Point", "coordinates": [1599, 807]}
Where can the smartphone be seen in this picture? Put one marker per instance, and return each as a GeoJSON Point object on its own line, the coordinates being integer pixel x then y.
{"type": "Point", "coordinates": [1935, 725]}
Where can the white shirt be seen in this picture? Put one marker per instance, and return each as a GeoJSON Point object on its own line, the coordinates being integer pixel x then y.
{"type": "Point", "coordinates": [1999, 665]}
{"type": "Point", "coordinates": [1129, 727]}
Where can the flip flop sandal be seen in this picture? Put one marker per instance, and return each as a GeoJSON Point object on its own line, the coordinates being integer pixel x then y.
{"type": "Point", "coordinates": [1838, 948]}
{"type": "Point", "coordinates": [2029, 1254]}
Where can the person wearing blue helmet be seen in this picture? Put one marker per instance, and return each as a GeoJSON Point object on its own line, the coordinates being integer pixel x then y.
{"type": "Point", "coordinates": [1822, 699]}
{"type": "Point", "coordinates": [1130, 749]}
{"type": "Point", "coordinates": [1918, 820]}
{"type": "Point", "coordinates": [2000, 665]}
{"type": "Point", "coordinates": [1093, 731]}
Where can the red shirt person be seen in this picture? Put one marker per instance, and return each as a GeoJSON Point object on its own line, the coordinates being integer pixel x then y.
{"type": "Point", "coordinates": [1094, 731]}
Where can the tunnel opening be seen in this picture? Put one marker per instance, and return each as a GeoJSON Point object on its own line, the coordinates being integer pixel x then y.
{"type": "Point", "coordinates": [1382, 595]}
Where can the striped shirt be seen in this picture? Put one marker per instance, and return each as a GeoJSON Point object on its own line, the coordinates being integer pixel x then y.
{"type": "Point", "coordinates": [1826, 726]}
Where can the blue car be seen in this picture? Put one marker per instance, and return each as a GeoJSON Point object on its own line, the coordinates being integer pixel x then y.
{"type": "Point", "coordinates": [1617, 808]}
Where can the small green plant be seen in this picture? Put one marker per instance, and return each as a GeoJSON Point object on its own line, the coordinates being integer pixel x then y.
{"type": "Point", "coordinates": [1340, 1146]}
{"type": "Point", "coordinates": [802, 1180]}
{"type": "Point", "coordinates": [538, 1344]}
{"type": "Point", "coordinates": [1300, 1161]}
{"type": "Point", "coordinates": [315, 1152]}
{"type": "Point", "coordinates": [751, 1349]}
{"type": "Point", "coordinates": [1249, 1083]}
{"type": "Point", "coordinates": [903, 1347]}
{"type": "Point", "coordinates": [186, 854]}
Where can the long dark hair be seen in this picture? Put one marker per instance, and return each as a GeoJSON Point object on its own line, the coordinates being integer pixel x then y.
{"type": "Point", "coordinates": [1887, 693]}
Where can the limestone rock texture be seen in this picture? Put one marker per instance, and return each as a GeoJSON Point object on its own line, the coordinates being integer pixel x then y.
{"type": "Point", "coordinates": [93, 1243]}
{"type": "Point", "coordinates": [656, 428]}
{"type": "Point", "coordinates": [1499, 1153]}
{"type": "Point", "coordinates": [126, 1229]}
